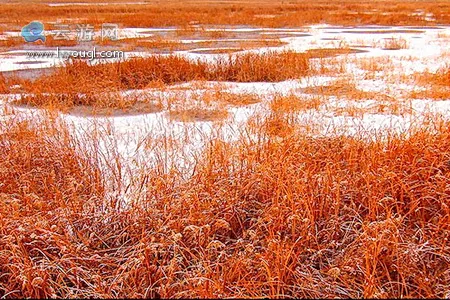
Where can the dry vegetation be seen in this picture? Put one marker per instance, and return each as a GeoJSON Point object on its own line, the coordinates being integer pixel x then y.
{"type": "Point", "coordinates": [282, 14]}
{"type": "Point", "coordinates": [292, 103]}
{"type": "Point", "coordinates": [342, 88]}
{"type": "Point", "coordinates": [164, 44]}
{"type": "Point", "coordinates": [276, 212]}
{"type": "Point", "coordinates": [299, 216]}
{"type": "Point", "coordinates": [80, 83]}
{"type": "Point", "coordinates": [192, 17]}
{"type": "Point", "coordinates": [209, 105]}
{"type": "Point", "coordinates": [434, 85]}
{"type": "Point", "coordinates": [394, 44]}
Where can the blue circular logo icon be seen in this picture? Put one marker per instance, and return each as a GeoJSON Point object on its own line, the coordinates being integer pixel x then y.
{"type": "Point", "coordinates": [33, 32]}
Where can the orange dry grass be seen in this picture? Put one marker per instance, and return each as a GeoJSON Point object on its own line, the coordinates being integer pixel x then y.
{"type": "Point", "coordinates": [79, 83]}
{"type": "Point", "coordinates": [50, 41]}
{"type": "Point", "coordinates": [4, 85]}
{"type": "Point", "coordinates": [268, 67]}
{"type": "Point", "coordinates": [11, 42]}
{"type": "Point", "coordinates": [394, 44]}
{"type": "Point", "coordinates": [207, 106]}
{"type": "Point", "coordinates": [47, 171]}
{"type": "Point", "coordinates": [9, 84]}
{"type": "Point", "coordinates": [293, 103]}
{"type": "Point", "coordinates": [257, 13]}
{"type": "Point", "coordinates": [437, 85]}
{"type": "Point", "coordinates": [331, 52]}
{"type": "Point", "coordinates": [233, 99]}
{"type": "Point", "coordinates": [18, 42]}
{"type": "Point", "coordinates": [48, 194]}
{"type": "Point", "coordinates": [441, 77]}
{"type": "Point", "coordinates": [296, 217]}
{"type": "Point", "coordinates": [218, 46]}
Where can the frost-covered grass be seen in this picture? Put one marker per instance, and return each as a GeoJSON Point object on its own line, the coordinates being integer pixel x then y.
{"type": "Point", "coordinates": [99, 85]}
{"type": "Point", "coordinates": [276, 213]}
{"type": "Point", "coordinates": [318, 169]}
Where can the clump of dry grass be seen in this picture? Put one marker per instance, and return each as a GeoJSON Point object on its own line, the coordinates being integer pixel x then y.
{"type": "Point", "coordinates": [10, 84]}
{"type": "Point", "coordinates": [436, 85]}
{"type": "Point", "coordinates": [394, 44]}
{"type": "Point", "coordinates": [92, 103]}
{"type": "Point", "coordinates": [48, 193]}
{"type": "Point", "coordinates": [440, 78]}
{"type": "Point", "coordinates": [292, 103]}
{"type": "Point", "coordinates": [209, 105]}
{"type": "Point", "coordinates": [152, 44]}
{"type": "Point", "coordinates": [80, 83]}
{"type": "Point", "coordinates": [236, 99]}
{"type": "Point", "coordinates": [292, 217]}
{"type": "Point", "coordinates": [48, 156]}
{"type": "Point", "coordinates": [265, 67]}
{"type": "Point", "coordinates": [375, 64]}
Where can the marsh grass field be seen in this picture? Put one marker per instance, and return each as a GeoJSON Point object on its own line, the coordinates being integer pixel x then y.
{"type": "Point", "coordinates": [239, 149]}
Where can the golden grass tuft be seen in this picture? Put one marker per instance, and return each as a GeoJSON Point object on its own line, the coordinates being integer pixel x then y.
{"type": "Point", "coordinates": [79, 83]}
{"type": "Point", "coordinates": [394, 44]}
